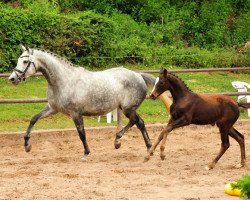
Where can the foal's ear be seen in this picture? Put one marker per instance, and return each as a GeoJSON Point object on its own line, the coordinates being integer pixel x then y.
{"type": "Point", "coordinates": [164, 72]}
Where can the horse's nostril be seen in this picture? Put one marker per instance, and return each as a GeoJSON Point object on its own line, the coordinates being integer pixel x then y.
{"type": "Point", "coordinates": [12, 79]}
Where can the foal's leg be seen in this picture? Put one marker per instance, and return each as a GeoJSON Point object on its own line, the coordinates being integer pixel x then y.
{"type": "Point", "coordinates": [224, 146]}
{"type": "Point", "coordinates": [47, 110]}
{"type": "Point", "coordinates": [182, 121]}
{"type": "Point", "coordinates": [163, 135]}
{"type": "Point", "coordinates": [78, 120]}
{"type": "Point", "coordinates": [240, 139]}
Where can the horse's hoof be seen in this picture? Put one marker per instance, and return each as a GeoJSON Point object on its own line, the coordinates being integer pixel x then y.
{"type": "Point", "coordinates": [117, 145]}
{"type": "Point", "coordinates": [146, 158]}
{"type": "Point", "coordinates": [149, 148]}
{"type": "Point", "coordinates": [84, 158]}
{"type": "Point", "coordinates": [27, 148]}
{"type": "Point", "coordinates": [209, 167]}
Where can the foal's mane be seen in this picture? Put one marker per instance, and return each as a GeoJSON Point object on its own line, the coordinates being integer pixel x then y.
{"type": "Point", "coordinates": [60, 58]}
{"type": "Point", "coordinates": [176, 77]}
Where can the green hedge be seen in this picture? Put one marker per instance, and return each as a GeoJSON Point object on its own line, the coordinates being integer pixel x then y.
{"type": "Point", "coordinates": [72, 36]}
{"type": "Point", "coordinates": [113, 32]}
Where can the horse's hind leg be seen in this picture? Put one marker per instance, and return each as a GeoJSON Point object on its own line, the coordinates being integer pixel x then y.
{"type": "Point", "coordinates": [134, 118]}
{"type": "Point", "coordinates": [224, 146]}
{"type": "Point", "coordinates": [119, 135]}
{"type": "Point", "coordinates": [78, 120]}
{"type": "Point", "coordinates": [44, 113]}
{"type": "Point", "coordinates": [240, 139]}
{"type": "Point", "coordinates": [141, 126]}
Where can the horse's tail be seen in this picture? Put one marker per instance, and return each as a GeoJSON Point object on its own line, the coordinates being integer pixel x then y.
{"type": "Point", "coordinates": [244, 105]}
{"type": "Point", "coordinates": [150, 80]}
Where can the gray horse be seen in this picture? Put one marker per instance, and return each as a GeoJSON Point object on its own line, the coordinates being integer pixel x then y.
{"type": "Point", "coordinates": [78, 92]}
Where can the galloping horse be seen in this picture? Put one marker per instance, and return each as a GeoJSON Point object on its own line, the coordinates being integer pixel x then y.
{"type": "Point", "coordinates": [77, 92]}
{"type": "Point", "coordinates": [192, 108]}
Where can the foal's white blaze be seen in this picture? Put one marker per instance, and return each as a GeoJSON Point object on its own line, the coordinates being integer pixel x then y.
{"type": "Point", "coordinates": [156, 81]}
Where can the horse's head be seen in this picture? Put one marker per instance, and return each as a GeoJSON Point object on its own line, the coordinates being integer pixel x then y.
{"type": "Point", "coordinates": [25, 66]}
{"type": "Point", "coordinates": [161, 84]}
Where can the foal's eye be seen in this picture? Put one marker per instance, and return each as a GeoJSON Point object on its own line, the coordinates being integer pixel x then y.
{"type": "Point", "coordinates": [25, 61]}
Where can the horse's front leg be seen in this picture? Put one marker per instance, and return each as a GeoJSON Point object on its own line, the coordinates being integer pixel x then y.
{"type": "Point", "coordinates": [78, 120]}
{"type": "Point", "coordinates": [44, 113]}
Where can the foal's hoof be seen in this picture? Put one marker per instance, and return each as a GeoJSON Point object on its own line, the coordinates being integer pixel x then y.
{"type": "Point", "coordinates": [27, 148]}
{"type": "Point", "coordinates": [117, 145]}
{"type": "Point", "coordinates": [162, 157]}
{"type": "Point", "coordinates": [240, 165]}
{"type": "Point", "coordinates": [210, 166]}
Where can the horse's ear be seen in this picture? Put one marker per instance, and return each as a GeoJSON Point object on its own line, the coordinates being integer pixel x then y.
{"type": "Point", "coordinates": [23, 47]}
{"type": "Point", "coordinates": [27, 48]}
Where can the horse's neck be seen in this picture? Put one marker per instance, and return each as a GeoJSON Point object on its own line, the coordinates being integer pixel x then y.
{"type": "Point", "coordinates": [54, 70]}
{"type": "Point", "coordinates": [178, 89]}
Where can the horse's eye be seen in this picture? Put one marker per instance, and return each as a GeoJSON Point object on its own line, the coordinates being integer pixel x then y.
{"type": "Point", "coordinates": [25, 61]}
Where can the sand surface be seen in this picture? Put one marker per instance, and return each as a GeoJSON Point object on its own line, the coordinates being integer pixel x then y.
{"type": "Point", "coordinates": [54, 170]}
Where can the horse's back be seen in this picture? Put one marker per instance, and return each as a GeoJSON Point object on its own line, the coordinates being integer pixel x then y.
{"type": "Point", "coordinates": [100, 92]}
{"type": "Point", "coordinates": [126, 79]}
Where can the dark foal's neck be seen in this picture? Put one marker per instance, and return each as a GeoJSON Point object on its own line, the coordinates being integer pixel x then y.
{"type": "Point", "coordinates": [178, 88]}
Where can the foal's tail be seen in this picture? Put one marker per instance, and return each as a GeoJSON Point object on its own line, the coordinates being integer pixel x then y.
{"type": "Point", "coordinates": [150, 80]}
{"type": "Point", "coordinates": [244, 105]}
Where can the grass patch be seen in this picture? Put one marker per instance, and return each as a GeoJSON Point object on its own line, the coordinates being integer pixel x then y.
{"type": "Point", "coordinates": [16, 117]}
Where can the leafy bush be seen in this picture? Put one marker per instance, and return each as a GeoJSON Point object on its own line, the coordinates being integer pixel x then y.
{"type": "Point", "coordinates": [190, 34]}
{"type": "Point", "coordinates": [73, 36]}
{"type": "Point", "coordinates": [244, 185]}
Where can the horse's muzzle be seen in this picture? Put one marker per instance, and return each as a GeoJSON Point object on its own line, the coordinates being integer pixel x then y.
{"type": "Point", "coordinates": [14, 80]}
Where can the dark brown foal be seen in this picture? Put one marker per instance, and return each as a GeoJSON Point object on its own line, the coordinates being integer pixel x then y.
{"type": "Point", "coordinates": [192, 108]}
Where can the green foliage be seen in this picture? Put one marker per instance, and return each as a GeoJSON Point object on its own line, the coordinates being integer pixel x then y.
{"type": "Point", "coordinates": [244, 185]}
{"type": "Point", "coordinates": [190, 34]}
{"type": "Point", "coordinates": [73, 36]}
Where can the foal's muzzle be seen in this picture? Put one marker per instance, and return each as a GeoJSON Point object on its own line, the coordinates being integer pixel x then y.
{"type": "Point", "coordinates": [152, 96]}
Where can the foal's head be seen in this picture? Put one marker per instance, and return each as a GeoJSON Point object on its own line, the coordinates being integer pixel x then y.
{"type": "Point", "coordinates": [25, 66]}
{"type": "Point", "coordinates": [161, 84]}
